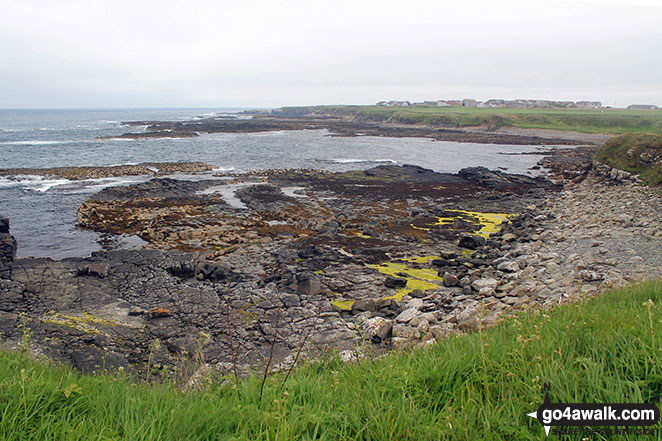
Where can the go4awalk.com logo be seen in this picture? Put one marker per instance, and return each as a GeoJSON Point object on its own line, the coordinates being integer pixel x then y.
{"type": "Point", "coordinates": [607, 414]}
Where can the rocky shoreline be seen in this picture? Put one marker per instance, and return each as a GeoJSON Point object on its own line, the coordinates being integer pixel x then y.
{"type": "Point", "coordinates": [350, 127]}
{"type": "Point", "coordinates": [96, 172]}
{"type": "Point", "coordinates": [287, 264]}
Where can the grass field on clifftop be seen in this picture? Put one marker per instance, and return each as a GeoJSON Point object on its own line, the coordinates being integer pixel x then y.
{"type": "Point", "coordinates": [472, 387]}
{"type": "Point", "coordinates": [587, 121]}
{"type": "Point", "coordinates": [609, 121]}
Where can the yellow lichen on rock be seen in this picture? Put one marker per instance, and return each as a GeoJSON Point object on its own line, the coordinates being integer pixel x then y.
{"type": "Point", "coordinates": [343, 305]}
{"type": "Point", "coordinates": [82, 324]}
{"type": "Point", "coordinates": [489, 222]}
{"type": "Point", "coordinates": [418, 278]}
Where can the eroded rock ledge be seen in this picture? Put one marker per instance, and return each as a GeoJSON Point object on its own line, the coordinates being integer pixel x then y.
{"type": "Point", "coordinates": [95, 172]}
{"type": "Point", "coordinates": [347, 127]}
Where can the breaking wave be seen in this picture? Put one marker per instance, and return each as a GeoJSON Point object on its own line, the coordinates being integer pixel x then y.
{"type": "Point", "coordinates": [355, 161]}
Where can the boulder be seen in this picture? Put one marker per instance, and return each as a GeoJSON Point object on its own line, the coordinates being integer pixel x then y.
{"type": "Point", "coordinates": [395, 282]}
{"type": "Point", "coordinates": [427, 317]}
{"type": "Point", "coordinates": [407, 315]}
{"type": "Point", "coordinates": [404, 331]}
{"type": "Point", "coordinates": [417, 293]}
{"type": "Point", "coordinates": [4, 224]}
{"type": "Point", "coordinates": [485, 282]}
{"type": "Point", "coordinates": [450, 279]}
{"type": "Point", "coordinates": [8, 247]}
{"type": "Point", "coordinates": [329, 228]}
{"type": "Point", "coordinates": [377, 329]}
{"type": "Point", "coordinates": [509, 237]}
{"type": "Point", "coordinates": [364, 305]}
{"type": "Point", "coordinates": [509, 267]}
{"type": "Point", "coordinates": [472, 242]}
{"type": "Point", "coordinates": [468, 325]}
{"type": "Point", "coordinates": [591, 276]}
{"type": "Point", "coordinates": [290, 300]}
{"type": "Point", "coordinates": [214, 272]}
{"type": "Point", "coordinates": [414, 303]}
{"type": "Point", "coordinates": [99, 270]}
{"type": "Point", "coordinates": [309, 286]}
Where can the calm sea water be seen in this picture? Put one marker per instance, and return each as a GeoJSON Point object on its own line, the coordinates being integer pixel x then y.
{"type": "Point", "coordinates": [43, 212]}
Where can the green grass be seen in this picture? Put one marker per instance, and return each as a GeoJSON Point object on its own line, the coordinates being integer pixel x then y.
{"type": "Point", "coordinates": [587, 121]}
{"type": "Point", "coordinates": [635, 152]}
{"type": "Point", "coordinates": [473, 387]}
{"type": "Point", "coordinates": [609, 121]}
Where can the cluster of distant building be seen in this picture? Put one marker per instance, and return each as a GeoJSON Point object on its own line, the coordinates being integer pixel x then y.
{"type": "Point", "coordinates": [512, 104]}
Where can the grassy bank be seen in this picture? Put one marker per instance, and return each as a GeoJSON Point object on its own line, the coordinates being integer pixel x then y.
{"type": "Point", "coordinates": [479, 386]}
{"type": "Point", "coordinates": [610, 121]}
{"type": "Point", "coordinates": [636, 153]}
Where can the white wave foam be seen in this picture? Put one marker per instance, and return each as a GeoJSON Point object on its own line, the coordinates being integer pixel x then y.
{"type": "Point", "coordinates": [8, 183]}
{"type": "Point", "coordinates": [223, 169]}
{"type": "Point", "coordinates": [118, 139]}
{"type": "Point", "coordinates": [32, 182]}
{"type": "Point", "coordinates": [97, 184]}
{"type": "Point", "coordinates": [47, 184]}
{"type": "Point", "coordinates": [357, 161]}
{"type": "Point", "coordinates": [35, 142]}
{"type": "Point", "coordinates": [119, 164]}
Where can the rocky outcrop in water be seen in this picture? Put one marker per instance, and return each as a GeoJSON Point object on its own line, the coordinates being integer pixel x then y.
{"type": "Point", "coordinates": [93, 172]}
{"type": "Point", "coordinates": [341, 126]}
{"type": "Point", "coordinates": [498, 180]}
{"type": "Point", "coordinates": [7, 247]}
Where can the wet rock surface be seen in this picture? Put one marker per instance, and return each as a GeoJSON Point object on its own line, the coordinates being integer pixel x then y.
{"type": "Point", "coordinates": [346, 126]}
{"type": "Point", "coordinates": [92, 172]}
{"type": "Point", "coordinates": [7, 247]}
{"type": "Point", "coordinates": [313, 261]}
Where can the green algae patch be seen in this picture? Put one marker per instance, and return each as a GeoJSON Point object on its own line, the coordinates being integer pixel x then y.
{"type": "Point", "coordinates": [82, 324]}
{"type": "Point", "coordinates": [417, 278]}
{"type": "Point", "coordinates": [489, 222]}
{"type": "Point", "coordinates": [343, 305]}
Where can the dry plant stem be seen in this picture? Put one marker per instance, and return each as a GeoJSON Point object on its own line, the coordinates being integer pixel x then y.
{"type": "Point", "coordinates": [231, 342]}
{"type": "Point", "coordinates": [296, 357]}
{"type": "Point", "coordinates": [271, 355]}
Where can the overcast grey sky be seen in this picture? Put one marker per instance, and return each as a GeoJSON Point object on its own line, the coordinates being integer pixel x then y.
{"type": "Point", "coordinates": [246, 53]}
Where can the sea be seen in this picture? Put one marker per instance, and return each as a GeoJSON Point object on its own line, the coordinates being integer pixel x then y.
{"type": "Point", "coordinates": [42, 212]}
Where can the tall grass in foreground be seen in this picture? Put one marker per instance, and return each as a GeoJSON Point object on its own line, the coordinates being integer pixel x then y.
{"type": "Point", "coordinates": [479, 386]}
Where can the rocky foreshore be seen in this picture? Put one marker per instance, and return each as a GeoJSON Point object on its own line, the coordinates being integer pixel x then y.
{"type": "Point", "coordinates": [289, 264]}
{"type": "Point", "coordinates": [354, 126]}
{"type": "Point", "coordinates": [96, 172]}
